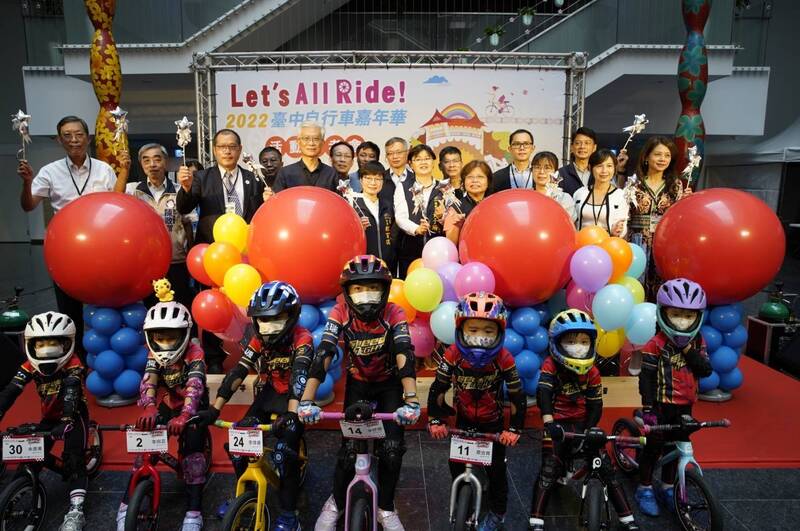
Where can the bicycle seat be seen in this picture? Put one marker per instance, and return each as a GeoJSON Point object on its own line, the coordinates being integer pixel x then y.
{"type": "Point", "coordinates": [359, 411]}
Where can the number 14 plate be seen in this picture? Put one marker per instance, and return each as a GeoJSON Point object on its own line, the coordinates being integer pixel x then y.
{"type": "Point", "coordinates": [23, 448]}
{"type": "Point", "coordinates": [470, 451]}
{"type": "Point", "coordinates": [368, 429]}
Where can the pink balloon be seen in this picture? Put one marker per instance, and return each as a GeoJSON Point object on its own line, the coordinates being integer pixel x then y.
{"type": "Point", "coordinates": [579, 298]}
{"type": "Point", "coordinates": [438, 251]}
{"type": "Point", "coordinates": [422, 338]}
{"type": "Point", "coordinates": [447, 272]}
{"type": "Point", "coordinates": [474, 276]}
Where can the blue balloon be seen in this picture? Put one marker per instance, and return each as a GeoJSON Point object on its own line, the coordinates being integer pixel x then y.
{"type": "Point", "coordinates": [525, 321]}
{"type": "Point", "coordinates": [530, 385]}
{"type": "Point", "coordinates": [133, 315]}
{"type": "Point", "coordinates": [109, 364]}
{"type": "Point", "coordinates": [724, 359]}
{"type": "Point", "coordinates": [106, 321]}
{"type": "Point", "coordinates": [528, 363]}
{"type": "Point", "coordinates": [709, 383]}
{"type": "Point", "coordinates": [336, 361]}
{"type": "Point", "coordinates": [309, 317]}
{"type": "Point", "coordinates": [325, 389]}
{"type": "Point", "coordinates": [544, 314]}
{"type": "Point", "coordinates": [731, 380]}
{"type": "Point", "coordinates": [325, 308]}
{"type": "Point", "coordinates": [125, 341]}
{"type": "Point", "coordinates": [88, 312]}
{"type": "Point", "coordinates": [137, 360]}
{"type": "Point", "coordinates": [557, 303]}
{"type": "Point", "coordinates": [95, 342]}
{"type": "Point", "coordinates": [126, 384]}
{"type": "Point", "coordinates": [99, 386]}
{"type": "Point", "coordinates": [612, 306]}
{"type": "Point", "coordinates": [736, 338]}
{"type": "Point", "coordinates": [725, 318]}
{"type": "Point", "coordinates": [443, 322]}
{"type": "Point", "coordinates": [316, 335]}
{"type": "Point", "coordinates": [712, 337]}
{"type": "Point", "coordinates": [513, 342]}
{"type": "Point", "coordinates": [336, 372]}
{"type": "Point", "coordinates": [641, 326]}
{"type": "Point", "coordinates": [538, 341]}
{"type": "Point", "coordinates": [639, 262]}
{"type": "Point", "coordinates": [90, 360]}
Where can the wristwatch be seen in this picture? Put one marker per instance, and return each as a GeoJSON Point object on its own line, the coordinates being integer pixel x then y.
{"type": "Point", "coordinates": [411, 394]}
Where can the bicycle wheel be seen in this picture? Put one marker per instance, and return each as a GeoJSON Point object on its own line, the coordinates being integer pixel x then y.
{"type": "Point", "coordinates": [361, 514]}
{"type": "Point", "coordinates": [242, 512]}
{"type": "Point", "coordinates": [140, 515]}
{"type": "Point", "coordinates": [94, 450]}
{"type": "Point", "coordinates": [20, 507]}
{"type": "Point", "coordinates": [303, 460]}
{"type": "Point", "coordinates": [626, 457]}
{"type": "Point", "coordinates": [593, 505]}
{"type": "Point", "coordinates": [464, 508]}
{"type": "Point", "coordinates": [697, 510]}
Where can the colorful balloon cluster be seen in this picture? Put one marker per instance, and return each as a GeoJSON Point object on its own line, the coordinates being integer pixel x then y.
{"type": "Point", "coordinates": [115, 349]}
{"type": "Point", "coordinates": [725, 336]}
{"type": "Point", "coordinates": [313, 318]}
{"type": "Point", "coordinates": [604, 283]}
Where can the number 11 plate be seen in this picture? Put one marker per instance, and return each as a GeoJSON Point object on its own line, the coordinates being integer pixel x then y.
{"type": "Point", "coordinates": [470, 451]}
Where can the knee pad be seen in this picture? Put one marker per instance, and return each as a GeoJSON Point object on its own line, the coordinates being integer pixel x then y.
{"type": "Point", "coordinates": [391, 453]}
{"type": "Point", "coordinates": [249, 421]}
{"type": "Point", "coordinates": [287, 425]}
{"type": "Point", "coordinates": [346, 458]}
{"type": "Point", "coordinates": [194, 469]}
{"type": "Point", "coordinates": [551, 468]}
{"type": "Point", "coordinates": [282, 456]}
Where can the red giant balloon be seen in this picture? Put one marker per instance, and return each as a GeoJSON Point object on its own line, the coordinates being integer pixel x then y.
{"type": "Point", "coordinates": [526, 239]}
{"type": "Point", "coordinates": [304, 236]}
{"type": "Point", "coordinates": [727, 240]}
{"type": "Point", "coordinates": [106, 248]}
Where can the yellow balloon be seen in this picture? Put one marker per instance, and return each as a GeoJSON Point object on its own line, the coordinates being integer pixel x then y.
{"type": "Point", "coordinates": [423, 289]}
{"type": "Point", "coordinates": [232, 229]}
{"type": "Point", "coordinates": [241, 281]}
{"type": "Point", "coordinates": [609, 342]}
{"type": "Point", "coordinates": [634, 286]}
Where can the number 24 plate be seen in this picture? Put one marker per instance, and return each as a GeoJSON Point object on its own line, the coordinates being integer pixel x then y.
{"type": "Point", "coordinates": [470, 451]}
{"type": "Point", "coordinates": [245, 442]}
{"type": "Point", "coordinates": [23, 448]}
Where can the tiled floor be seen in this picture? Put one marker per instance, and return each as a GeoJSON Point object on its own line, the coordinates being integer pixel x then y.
{"type": "Point", "coordinates": [751, 499]}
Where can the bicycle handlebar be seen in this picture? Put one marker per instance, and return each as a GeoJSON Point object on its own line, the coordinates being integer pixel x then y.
{"type": "Point", "coordinates": [125, 427]}
{"type": "Point", "coordinates": [341, 416]}
{"type": "Point", "coordinates": [29, 430]}
{"type": "Point", "coordinates": [722, 423]}
{"type": "Point", "coordinates": [469, 434]}
{"type": "Point", "coordinates": [634, 441]}
{"type": "Point", "coordinates": [228, 424]}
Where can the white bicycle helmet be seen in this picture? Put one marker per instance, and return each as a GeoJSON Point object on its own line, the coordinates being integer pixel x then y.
{"type": "Point", "coordinates": [167, 316]}
{"type": "Point", "coordinates": [49, 325]}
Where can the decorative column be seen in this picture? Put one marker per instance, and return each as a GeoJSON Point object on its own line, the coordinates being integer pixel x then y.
{"type": "Point", "coordinates": [106, 79]}
{"type": "Point", "coordinates": [692, 82]}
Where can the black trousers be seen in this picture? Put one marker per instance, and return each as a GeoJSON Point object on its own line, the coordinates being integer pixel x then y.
{"type": "Point", "coordinates": [73, 455]}
{"type": "Point", "coordinates": [73, 308]}
{"type": "Point", "coordinates": [498, 482]}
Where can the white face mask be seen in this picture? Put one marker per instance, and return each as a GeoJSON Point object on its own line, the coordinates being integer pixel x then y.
{"type": "Point", "coordinates": [577, 351]}
{"type": "Point", "coordinates": [49, 352]}
{"type": "Point", "coordinates": [367, 297]}
{"type": "Point", "coordinates": [268, 328]}
{"type": "Point", "coordinates": [682, 323]}
{"type": "Point", "coordinates": [478, 341]}
{"type": "Point", "coordinates": [168, 344]}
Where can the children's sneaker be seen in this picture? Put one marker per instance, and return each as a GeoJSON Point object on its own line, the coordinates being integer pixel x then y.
{"type": "Point", "coordinates": [193, 521]}
{"type": "Point", "coordinates": [535, 524]}
{"type": "Point", "coordinates": [287, 521]}
{"type": "Point", "coordinates": [629, 526]}
{"type": "Point", "coordinates": [121, 512]}
{"type": "Point", "coordinates": [666, 498]}
{"type": "Point", "coordinates": [389, 520]}
{"type": "Point", "coordinates": [491, 522]}
{"type": "Point", "coordinates": [223, 508]}
{"type": "Point", "coordinates": [73, 521]}
{"type": "Point", "coordinates": [646, 499]}
{"type": "Point", "coordinates": [328, 517]}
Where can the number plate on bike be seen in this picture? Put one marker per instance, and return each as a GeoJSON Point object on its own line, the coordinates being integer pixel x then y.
{"type": "Point", "coordinates": [470, 451]}
{"type": "Point", "coordinates": [368, 429]}
{"type": "Point", "coordinates": [145, 442]}
{"type": "Point", "coordinates": [23, 448]}
{"type": "Point", "coordinates": [245, 442]}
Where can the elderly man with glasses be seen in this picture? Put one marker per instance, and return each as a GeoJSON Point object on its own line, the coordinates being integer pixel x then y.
{"type": "Point", "coordinates": [309, 170]}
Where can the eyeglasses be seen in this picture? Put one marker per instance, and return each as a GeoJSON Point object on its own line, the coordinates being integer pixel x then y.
{"type": "Point", "coordinates": [310, 139]}
{"type": "Point", "coordinates": [521, 145]}
{"type": "Point", "coordinates": [393, 153]}
{"type": "Point", "coordinates": [372, 178]}
{"type": "Point", "coordinates": [76, 136]}
{"type": "Point", "coordinates": [547, 169]}
{"type": "Point", "coordinates": [583, 143]}
{"type": "Point", "coordinates": [474, 178]}
{"type": "Point", "coordinates": [228, 147]}
{"type": "Point", "coordinates": [420, 159]}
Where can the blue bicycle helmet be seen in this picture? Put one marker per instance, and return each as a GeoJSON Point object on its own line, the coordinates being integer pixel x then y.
{"type": "Point", "coordinates": [271, 300]}
{"type": "Point", "coordinates": [572, 321]}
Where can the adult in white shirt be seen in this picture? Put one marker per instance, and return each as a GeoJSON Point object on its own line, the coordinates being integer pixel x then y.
{"type": "Point", "coordinates": [63, 181]}
{"type": "Point", "coordinates": [544, 165]}
{"type": "Point", "coordinates": [601, 203]}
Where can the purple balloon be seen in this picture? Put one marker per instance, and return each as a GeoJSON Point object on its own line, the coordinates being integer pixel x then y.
{"type": "Point", "coordinates": [591, 268]}
{"type": "Point", "coordinates": [474, 276]}
{"type": "Point", "coordinates": [447, 272]}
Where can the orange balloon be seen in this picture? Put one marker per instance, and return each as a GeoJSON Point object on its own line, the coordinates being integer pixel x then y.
{"type": "Point", "coordinates": [416, 264]}
{"type": "Point", "coordinates": [591, 235]}
{"type": "Point", "coordinates": [397, 295]}
{"type": "Point", "coordinates": [621, 256]}
{"type": "Point", "coordinates": [218, 258]}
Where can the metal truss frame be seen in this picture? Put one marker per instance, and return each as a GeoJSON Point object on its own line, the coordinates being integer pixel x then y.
{"type": "Point", "coordinates": [204, 66]}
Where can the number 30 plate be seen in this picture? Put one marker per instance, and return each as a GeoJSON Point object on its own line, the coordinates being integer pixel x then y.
{"type": "Point", "coordinates": [140, 442]}
{"type": "Point", "coordinates": [245, 442]}
{"type": "Point", "coordinates": [369, 429]}
{"type": "Point", "coordinates": [23, 448]}
{"type": "Point", "coordinates": [470, 451]}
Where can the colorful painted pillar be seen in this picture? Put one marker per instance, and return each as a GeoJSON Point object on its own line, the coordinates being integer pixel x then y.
{"type": "Point", "coordinates": [692, 81]}
{"type": "Point", "coordinates": [106, 79]}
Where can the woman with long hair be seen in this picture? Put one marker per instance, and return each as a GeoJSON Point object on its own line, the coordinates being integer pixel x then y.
{"type": "Point", "coordinates": [601, 202]}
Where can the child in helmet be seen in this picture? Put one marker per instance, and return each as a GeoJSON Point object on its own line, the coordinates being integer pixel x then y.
{"type": "Point", "coordinates": [477, 366]}
{"type": "Point", "coordinates": [177, 363]}
{"type": "Point", "coordinates": [379, 360]}
{"type": "Point", "coordinates": [54, 367]}
{"type": "Point", "coordinates": [570, 398]}
{"type": "Point", "coordinates": [280, 352]}
{"type": "Point", "coordinates": [672, 363]}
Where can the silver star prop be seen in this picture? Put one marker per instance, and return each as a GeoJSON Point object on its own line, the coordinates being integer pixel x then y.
{"type": "Point", "coordinates": [694, 162]}
{"type": "Point", "coordinates": [419, 200]}
{"type": "Point", "coordinates": [19, 122]}
{"type": "Point", "coordinates": [184, 134]}
{"type": "Point", "coordinates": [254, 165]}
{"type": "Point", "coordinates": [449, 194]}
{"type": "Point", "coordinates": [349, 195]}
{"type": "Point", "coordinates": [120, 122]}
{"type": "Point", "coordinates": [551, 188]}
{"type": "Point", "coordinates": [629, 190]}
{"type": "Point", "coordinates": [639, 123]}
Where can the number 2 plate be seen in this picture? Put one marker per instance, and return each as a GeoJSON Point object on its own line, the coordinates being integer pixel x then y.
{"type": "Point", "coordinates": [369, 429]}
{"type": "Point", "coordinates": [140, 442]}
{"type": "Point", "coordinates": [470, 451]}
{"type": "Point", "coordinates": [23, 448]}
{"type": "Point", "coordinates": [245, 442]}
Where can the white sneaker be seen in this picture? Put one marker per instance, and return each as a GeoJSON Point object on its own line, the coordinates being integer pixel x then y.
{"type": "Point", "coordinates": [389, 520]}
{"type": "Point", "coordinates": [121, 512]}
{"type": "Point", "coordinates": [635, 365]}
{"type": "Point", "coordinates": [193, 521]}
{"type": "Point", "coordinates": [328, 517]}
{"type": "Point", "coordinates": [73, 521]}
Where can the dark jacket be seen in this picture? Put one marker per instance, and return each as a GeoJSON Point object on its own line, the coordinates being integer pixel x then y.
{"type": "Point", "coordinates": [207, 192]}
{"type": "Point", "coordinates": [501, 180]}
{"type": "Point", "coordinates": [387, 192]}
{"type": "Point", "coordinates": [382, 233]}
{"type": "Point", "coordinates": [297, 174]}
{"type": "Point", "coordinates": [570, 182]}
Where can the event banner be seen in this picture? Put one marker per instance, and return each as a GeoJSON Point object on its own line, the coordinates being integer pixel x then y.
{"type": "Point", "coordinates": [474, 110]}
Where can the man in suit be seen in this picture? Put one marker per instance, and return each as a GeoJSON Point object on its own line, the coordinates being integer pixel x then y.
{"type": "Point", "coordinates": [309, 170]}
{"type": "Point", "coordinates": [518, 174]}
{"type": "Point", "coordinates": [222, 186]}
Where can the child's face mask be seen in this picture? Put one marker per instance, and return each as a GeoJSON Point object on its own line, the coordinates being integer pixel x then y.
{"type": "Point", "coordinates": [680, 319]}
{"type": "Point", "coordinates": [366, 297]}
{"type": "Point", "coordinates": [271, 327]}
{"type": "Point", "coordinates": [165, 340]}
{"type": "Point", "coordinates": [478, 341]}
{"type": "Point", "coordinates": [49, 351]}
{"type": "Point", "coordinates": [576, 350]}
